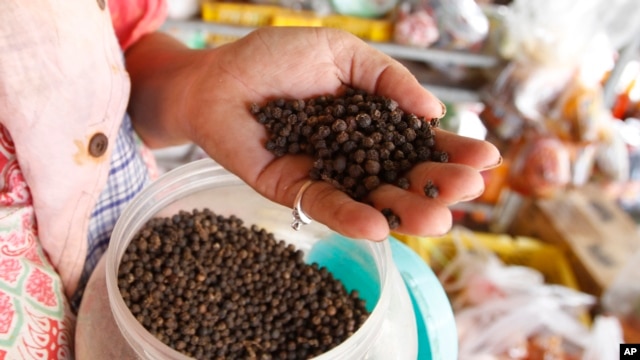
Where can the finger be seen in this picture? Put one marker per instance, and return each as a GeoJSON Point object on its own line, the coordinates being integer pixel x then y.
{"type": "Point", "coordinates": [324, 203]}
{"type": "Point", "coordinates": [398, 83]}
{"type": "Point", "coordinates": [448, 182]}
{"type": "Point", "coordinates": [478, 154]}
{"type": "Point", "coordinates": [418, 214]}
{"type": "Point", "coordinates": [363, 66]}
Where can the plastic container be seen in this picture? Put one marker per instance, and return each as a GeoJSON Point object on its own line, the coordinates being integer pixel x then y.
{"type": "Point", "coordinates": [364, 8]}
{"type": "Point", "coordinates": [390, 332]}
{"type": "Point", "coordinates": [436, 325]}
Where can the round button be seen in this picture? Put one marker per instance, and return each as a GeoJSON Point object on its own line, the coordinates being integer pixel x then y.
{"type": "Point", "coordinates": [102, 4]}
{"type": "Point", "coordinates": [98, 144]}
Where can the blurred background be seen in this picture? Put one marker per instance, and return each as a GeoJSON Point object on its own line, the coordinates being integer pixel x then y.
{"type": "Point", "coordinates": [542, 265]}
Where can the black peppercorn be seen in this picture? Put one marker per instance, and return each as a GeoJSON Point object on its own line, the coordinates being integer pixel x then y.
{"type": "Point", "coordinates": [372, 167]}
{"type": "Point", "coordinates": [248, 288]}
{"type": "Point", "coordinates": [431, 190]}
{"type": "Point", "coordinates": [403, 183]}
{"type": "Point", "coordinates": [339, 126]}
{"type": "Point", "coordinates": [371, 182]}
{"type": "Point", "coordinates": [346, 125]}
{"type": "Point", "coordinates": [392, 219]}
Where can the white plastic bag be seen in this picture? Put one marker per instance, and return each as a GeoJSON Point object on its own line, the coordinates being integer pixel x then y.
{"type": "Point", "coordinates": [604, 340]}
{"type": "Point", "coordinates": [462, 23]}
{"type": "Point", "coordinates": [551, 31]}
{"type": "Point", "coordinates": [501, 309]}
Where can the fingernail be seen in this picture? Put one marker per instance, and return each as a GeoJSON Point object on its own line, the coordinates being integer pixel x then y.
{"type": "Point", "coordinates": [441, 233]}
{"type": "Point", "coordinates": [493, 166]}
{"type": "Point", "coordinates": [472, 196]}
{"type": "Point", "coordinates": [444, 110]}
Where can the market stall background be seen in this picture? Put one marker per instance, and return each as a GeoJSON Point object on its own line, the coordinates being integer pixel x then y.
{"type": "Point", "coordinates": [541, 265]}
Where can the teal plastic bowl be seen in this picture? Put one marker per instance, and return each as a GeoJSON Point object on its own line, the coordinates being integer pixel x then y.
{"type": "Point", "coordinates": [437, 333]}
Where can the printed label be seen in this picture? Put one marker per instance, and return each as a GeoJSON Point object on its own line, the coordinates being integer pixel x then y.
{"type": "Point", "coordinates": [629, 351]}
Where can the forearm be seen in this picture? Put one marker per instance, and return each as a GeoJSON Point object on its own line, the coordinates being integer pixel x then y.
{"type": "Point", "coordinates": [161, 70]}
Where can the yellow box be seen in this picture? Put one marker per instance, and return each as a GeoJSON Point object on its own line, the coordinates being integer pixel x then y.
{"type": "Point", "coordinates": [549, 260]}
{"type": "Point", "coordinates": [215, 40]}
{"type": "Point", "coordinates": [239, 14]}
{"type": "Point", "coordinates": [379, 30]}
{"type": "Point", "coordinates": [295, 18]}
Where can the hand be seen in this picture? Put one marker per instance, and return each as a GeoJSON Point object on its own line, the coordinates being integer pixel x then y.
{"type": "Point", "coordinates": [211, 108]}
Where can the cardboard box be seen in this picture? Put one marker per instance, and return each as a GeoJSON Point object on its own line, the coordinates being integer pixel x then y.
{"type": "Point", "coordinates": [596, 234]}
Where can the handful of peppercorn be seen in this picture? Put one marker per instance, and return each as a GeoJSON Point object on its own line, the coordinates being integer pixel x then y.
{"type": "Point", "coordinates": [358, 140]}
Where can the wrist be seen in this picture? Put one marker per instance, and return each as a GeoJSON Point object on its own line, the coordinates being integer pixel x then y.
{"type": "Point", "coordinates": [163, 72]}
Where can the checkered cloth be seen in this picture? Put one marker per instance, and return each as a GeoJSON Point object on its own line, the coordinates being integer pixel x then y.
{"type": "Point", "coordinates": [128, 175]}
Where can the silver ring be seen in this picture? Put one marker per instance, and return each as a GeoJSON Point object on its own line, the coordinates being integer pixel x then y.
{"type": "Point", "coordinates": [299, 217]}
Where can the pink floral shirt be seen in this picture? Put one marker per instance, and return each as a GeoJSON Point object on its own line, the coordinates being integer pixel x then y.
{"type": "Point", "coordinates": [63, 93]}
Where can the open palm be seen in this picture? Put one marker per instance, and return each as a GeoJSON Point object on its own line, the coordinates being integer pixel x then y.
{"type": "Point", "coordinates": [300, 63]}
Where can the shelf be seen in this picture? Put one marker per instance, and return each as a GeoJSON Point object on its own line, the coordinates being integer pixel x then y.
{"type": "Point", "coordinates": [437, 55]}
{"type": "Point", "coordinates": [215, 28]}
{"type": "Point", "coordinates": [395, 50]}
{"type": "Point", "coordinates": [451, 94]}
{"type": "Point", "coordinates": [446, 93]}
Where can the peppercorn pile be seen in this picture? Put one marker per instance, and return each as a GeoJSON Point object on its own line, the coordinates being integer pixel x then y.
{"type": "Point", "coordinates": [358, 140]}
{"type": "Point", "coordinates": [212, 288]}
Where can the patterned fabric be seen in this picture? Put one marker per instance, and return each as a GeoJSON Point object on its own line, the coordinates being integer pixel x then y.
{"type": "Point", "coordinates": [63, 84]}
{"type": "Point", "coordinates": [64, 90]}
{"type": "Point", "coordinates": [59, 87]}
{"type": "Point", "coordinates": [129, 173]}
{"type": "Point", "coordinates": [36, 321]}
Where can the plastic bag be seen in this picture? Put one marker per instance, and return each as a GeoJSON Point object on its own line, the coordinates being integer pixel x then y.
{"type": "Point", "coordinates": [622, 297]}
{"type": "Point", "coordinates": [603, 340]}
{"type": "Point", "coordinates": [540, 166]}
{"type": "Point", "coordinates": [552, 44]}
{"type": "Point", "coordinates": [509, 312]}
{"type": "Point", "coordinates": [550, 31]}
{"type": "Point", "coordinates": [501, 327]}
{"type": "Point", "coordinates": [619, 21]}
{"type": "Point", "coordinates": [560, 31]}
{"type": "Point", "coordinates": [415, 27]}
{"type": "Point", "coordinates": [462, 23]}
{"type": "Point", "coordinates": [612, 157]}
